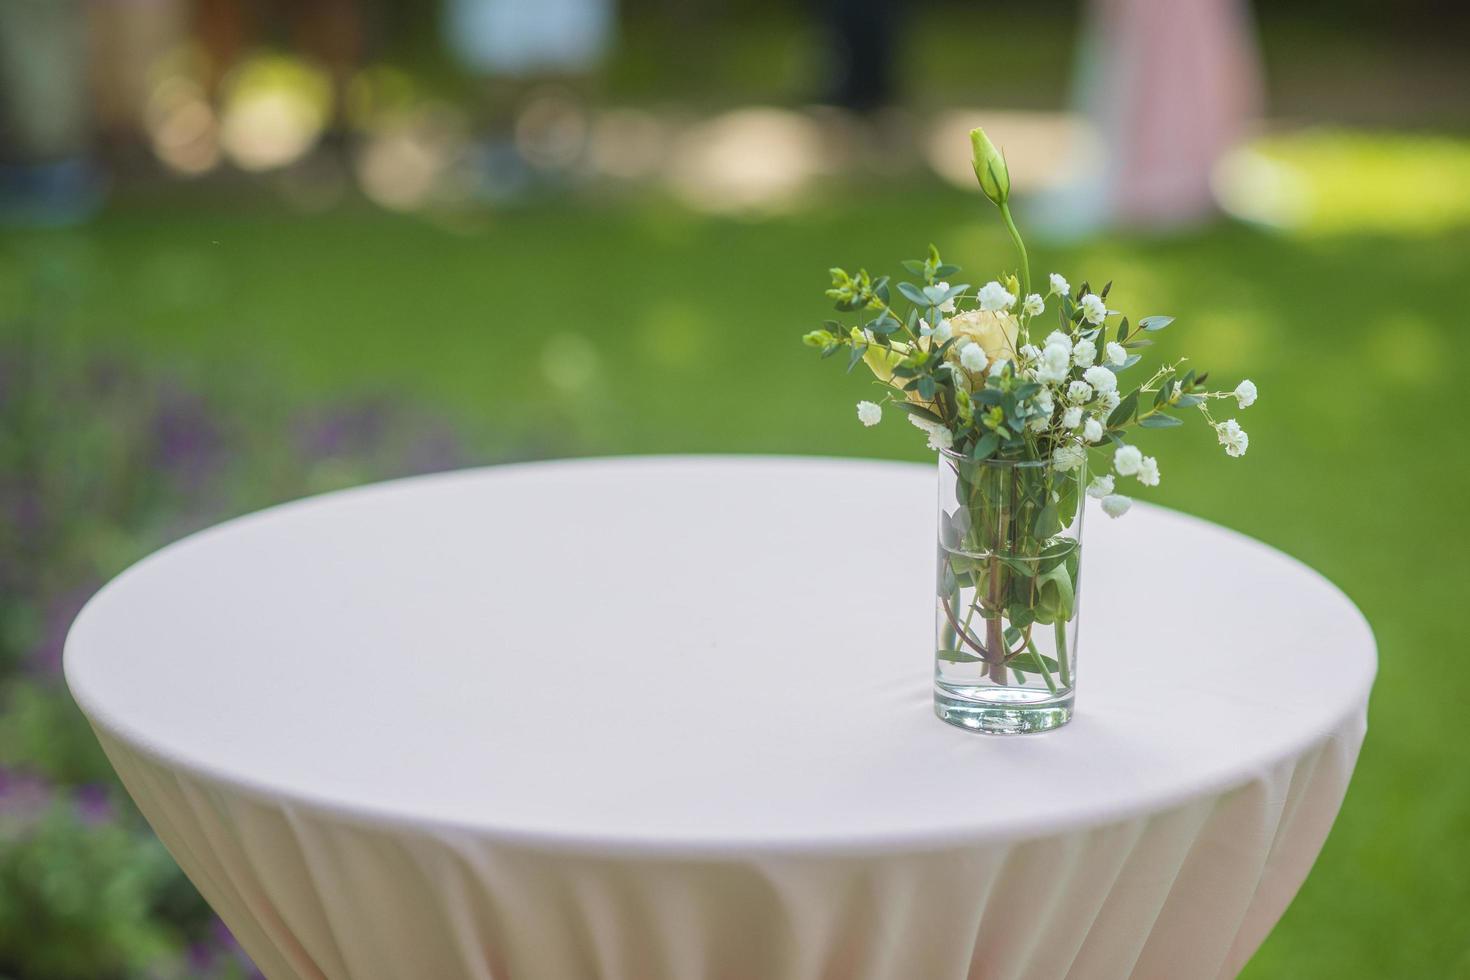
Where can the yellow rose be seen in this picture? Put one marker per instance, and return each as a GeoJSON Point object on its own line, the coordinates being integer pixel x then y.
{"type": "Point", "coordinates": [995, 332]}
{"type": "Point", "coordinates": [882, 360]}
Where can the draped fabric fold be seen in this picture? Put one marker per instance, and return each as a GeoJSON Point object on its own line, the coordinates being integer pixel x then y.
{"type": "Point", "coordinates": [1190, 891]}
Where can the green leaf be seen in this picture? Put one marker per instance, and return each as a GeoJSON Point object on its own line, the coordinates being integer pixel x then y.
{"type": "Point", "coordinates": [1123, 330]}
{"type": "Point", "coordinates": [914, 267]}
{"type": "Point", "coordinates": [1124, 411]}
{"type": "Point", "coordinates": [946, 269]}
{"type": "Point", "coordinates": [1048, 522]}
{"type": "Point", "coordinates": [857, 356]}
{"type": "Point", "coordinates": [912, 294]}
{"type": "Point", "coordinates": [926, 388]}
{"type": "Point", "coordinates": [957, 657]}
{"type": "Point", "coordinates": [1155, 322]}
{"type": "Point", "coordinates": [936, 296]}
{"type": "Point", "coordinates": [1027, 661]}
{"type": "Point", "coordinates": [1159, 421]}
{"type": "Point", "coordinates": [985, 446]}
{"type": "Point", "coordinates": [917, 410]}
{"type": "Point", "coordinates": [885, 326]}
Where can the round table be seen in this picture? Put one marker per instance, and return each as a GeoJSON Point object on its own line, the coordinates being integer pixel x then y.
{"type": "Point", "coordinates": [670, 718]}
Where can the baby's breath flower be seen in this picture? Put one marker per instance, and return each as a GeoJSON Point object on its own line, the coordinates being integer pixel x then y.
{"type": "Point", "coordinates": [1034, 305]}
{"type": "Point", "coordinates": [1084, 352]}
{"type": "Point", "coordinates": [998, 367]}
{"type": "Point", "coordinates": [1056, 363]}
{"type": "Point", "coordinates": [944, 331]}
{"type": "Point", "coordinates": [948, 305]}
{"type": "Point", "coordinates": [1072, 417]}
{"type": "Point", "coordinates": [1030, 352]}
{"type": "Point", "coordinates": [994, 297]}
{"type": "Point", "coordinates": [1245, 393]}
{"type": "Point", "coordinates": [1079, 391]}
{"type": "Point", "coordinates": [1068, 456]}
{"type": "Point", "coordinates": [1111, 400]}
{"type": "Point", "coordinates": [939, 436]}
{"type": "Point", "coordinates": [1094, 310]}
{"type": "Point", "coordinates": [924, 329]}
{"type": "Point", "coordinates": [1102, 379]}
{"type": "Point", "coordinates": [1092, 430]}
{"type": "Point", "coordinates": [1148, 472]}
{"type": "Point", "coordinates": [869, 413]}
{"type": "Point", "coordinates": [1233, 437]}
{"type": "Point", "coordinates": [1039, 423]}
{"type": "Point", "coordinates": [1127, 460]}
{"type": "Point", "coordinates": [1116, 505]}
{"type": "Point", "coordinates": [1117, 353]}
{"type": "Point", "coordinates": [1059, 285]}
{"type": "Point", "coordinates": [1043, 401]}
{"type": "Point", "coordinates": [1058, 337]}
{"type": "Point", "coordinates": [972, 357]}
{"type": "Point", "coordinates": [1100, 486]}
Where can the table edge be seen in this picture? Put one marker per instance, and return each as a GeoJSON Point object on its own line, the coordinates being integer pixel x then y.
{"type": "Point", "coordinates": [628, 845]}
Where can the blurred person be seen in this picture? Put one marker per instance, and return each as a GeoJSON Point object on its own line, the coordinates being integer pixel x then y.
{"type": "Point", "coordinates": [536, 58]}
{"type": "Point", "coordinates": [45, 118]}
{"type": "Point", "coordinates": [861, 35]}
{"type": "Point", "coordinates": [1170, 87]}
{"type": "Point", "coordinates": [130, 40]}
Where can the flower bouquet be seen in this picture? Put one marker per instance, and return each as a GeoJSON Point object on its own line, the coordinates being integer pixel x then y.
{"type": "Point", "coordinates": [1023, 396]}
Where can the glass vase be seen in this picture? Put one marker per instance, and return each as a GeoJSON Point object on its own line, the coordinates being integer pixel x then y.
{"type": "Point", "coordinates": [1010, 543]}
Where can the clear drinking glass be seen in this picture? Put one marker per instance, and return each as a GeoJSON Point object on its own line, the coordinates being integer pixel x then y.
{"type": "Point", "coordinates": [1010, 540]}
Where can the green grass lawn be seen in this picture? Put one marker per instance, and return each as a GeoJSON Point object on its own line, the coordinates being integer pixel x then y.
{"type": "Point", "coordinates": [633, 326]}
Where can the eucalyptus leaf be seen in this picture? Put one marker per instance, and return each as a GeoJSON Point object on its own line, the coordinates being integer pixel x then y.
{"type": "Point", "coordinates": [1155, 322]}
{"type": "Point", "coordinates": [912, 294]}
{"type": "Point", "coordinates": [1159, 421]}
{"type": "Point", "coordinates": [917, 410]}
{"type": "Point", "coordinates": [1124, 411]}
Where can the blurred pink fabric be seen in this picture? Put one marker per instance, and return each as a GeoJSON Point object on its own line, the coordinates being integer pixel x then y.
{"type": "Point", "coordinates": [1172, 86]}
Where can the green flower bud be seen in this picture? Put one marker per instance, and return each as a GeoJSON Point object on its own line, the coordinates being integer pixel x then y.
{"type": "Point", "coordinates": [994, 418]}
{"type": "Point", "coordinates": [819, 339]}
{"type": "Point", "coordinates": [963, 403]}
{"type": "Point", "coordinates": [990, 167]}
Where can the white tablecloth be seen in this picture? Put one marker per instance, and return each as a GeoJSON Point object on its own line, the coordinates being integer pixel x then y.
{"type": "Point", "coordinates": [671, 718]}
